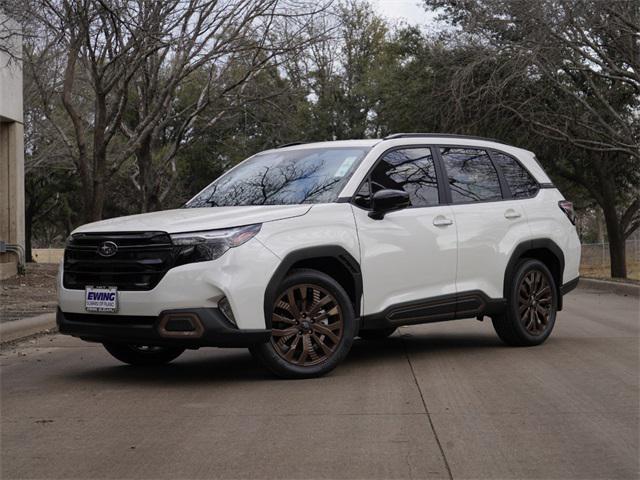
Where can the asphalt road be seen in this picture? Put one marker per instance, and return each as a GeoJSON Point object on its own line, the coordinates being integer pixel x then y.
{"type": "Point", "coordinates": [439, 401]}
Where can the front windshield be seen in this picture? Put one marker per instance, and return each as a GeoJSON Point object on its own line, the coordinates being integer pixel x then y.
{"type": "Point", "coordinates": [288, 177]}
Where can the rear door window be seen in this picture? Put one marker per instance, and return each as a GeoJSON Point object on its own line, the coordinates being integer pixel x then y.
{"type": "Point", "coordinates": [472, 176]}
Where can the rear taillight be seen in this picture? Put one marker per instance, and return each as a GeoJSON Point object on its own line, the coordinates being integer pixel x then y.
{"type": "Point", "coordinates": [567, 207]}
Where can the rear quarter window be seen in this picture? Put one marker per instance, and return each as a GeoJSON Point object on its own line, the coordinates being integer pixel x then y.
{"type": "Point", "coordinates": [521, 183]}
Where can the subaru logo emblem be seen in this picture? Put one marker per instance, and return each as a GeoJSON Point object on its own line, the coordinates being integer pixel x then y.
{"type": "Point", "coordinates": [107, 249]}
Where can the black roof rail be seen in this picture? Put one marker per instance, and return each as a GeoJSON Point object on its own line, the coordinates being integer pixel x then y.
{"type": "Point", "coordinates": [445, 135]}
{"type": "Point", "coordinates": [290, 144]}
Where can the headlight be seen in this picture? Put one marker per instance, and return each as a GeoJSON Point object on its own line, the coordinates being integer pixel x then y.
{"type": "Point", "coordinates": [211, 244]}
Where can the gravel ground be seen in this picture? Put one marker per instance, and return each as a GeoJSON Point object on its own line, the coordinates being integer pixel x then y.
{"type": "Point", "coordinates": [29, 295]}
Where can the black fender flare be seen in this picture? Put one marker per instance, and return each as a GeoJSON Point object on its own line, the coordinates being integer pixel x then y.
{"type": "Point", "coordinates": [309, 253]}
{"type": "Point", "coordinates": [535, 244]}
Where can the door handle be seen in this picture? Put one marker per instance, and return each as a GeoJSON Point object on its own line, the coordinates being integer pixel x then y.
{"type": "Point", "coordinates": [511, 214]}
{"type": "Point", "coordinates": [441, 221]}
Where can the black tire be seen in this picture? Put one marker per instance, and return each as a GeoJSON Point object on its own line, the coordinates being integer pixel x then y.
{"type": "Point", "coordinates": [316, 345]}
{"type": "Point", "coordinates": [532, 305]}
{"type": "Point", "coordinates": [377, 334]}
{"type": "Point", "coordinates": [142, 355]}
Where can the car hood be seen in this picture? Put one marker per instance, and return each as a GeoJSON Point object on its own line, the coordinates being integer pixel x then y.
{"type": "Point", "coordinates": [195, 219]}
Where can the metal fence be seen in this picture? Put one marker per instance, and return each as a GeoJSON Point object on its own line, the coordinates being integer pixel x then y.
{"type": "Point", "coordinates": [596, 255]}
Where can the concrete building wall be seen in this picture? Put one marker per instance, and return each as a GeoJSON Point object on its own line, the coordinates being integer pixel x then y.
{"type": "Point", "coordinates": [11, 157]}
{"type": "Point", "coordinates": [11, 89]}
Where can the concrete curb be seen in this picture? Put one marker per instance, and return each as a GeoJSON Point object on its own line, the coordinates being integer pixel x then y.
{"type": "Point", "coordinates": [18, 329]}
{"type": "Point", "coordinates": [621, 288]}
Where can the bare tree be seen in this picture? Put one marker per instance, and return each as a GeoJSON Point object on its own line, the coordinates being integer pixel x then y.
{"type": "Point", "coordinates": [210, 85]}
{"type": "Point", "coordinates": [570, 70]}
{"type": "Point", "coordinates": [336, 70]}
{"type": "Point", "coordinates": [48, 160]}
{"type": "Point", "coordinates": [141, 52]}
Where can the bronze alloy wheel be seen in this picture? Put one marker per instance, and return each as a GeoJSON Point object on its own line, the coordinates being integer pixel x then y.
{"type": "Point", "coordinates": [307, 325]}
{"type": "Point", "coordinates": [535, 302]}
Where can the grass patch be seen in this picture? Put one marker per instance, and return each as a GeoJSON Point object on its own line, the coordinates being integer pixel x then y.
{"type": "Point", "coordinates": [604, 271]}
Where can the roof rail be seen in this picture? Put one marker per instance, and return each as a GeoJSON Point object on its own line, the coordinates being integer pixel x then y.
{"type": "Point", "coordinates": [445, 135]}
{"type": "Point", "coordinates": [290, 144]}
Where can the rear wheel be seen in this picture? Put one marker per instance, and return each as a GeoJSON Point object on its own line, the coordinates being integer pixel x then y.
{"type": "Point", "coordinates": [377, 333]}
{"type": "Point", "coordinates": [532, 306]}
{"type": "Point", "coordinates": [145, 355]}
{"type": "Point", "coordinates": [313, 326]}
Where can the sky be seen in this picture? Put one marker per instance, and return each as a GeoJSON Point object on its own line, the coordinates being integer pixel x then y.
{"type": "Point", "coordinates": [410, 11]}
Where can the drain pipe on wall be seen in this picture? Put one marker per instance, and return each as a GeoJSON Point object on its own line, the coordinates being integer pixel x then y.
{"type": "Point", "coordinates": [18, 250]}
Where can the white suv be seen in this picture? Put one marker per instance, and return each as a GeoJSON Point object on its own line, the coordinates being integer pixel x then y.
{"type": "Point", "coordinates": [297, 250]}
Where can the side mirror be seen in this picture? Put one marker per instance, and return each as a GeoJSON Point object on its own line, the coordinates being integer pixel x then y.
{"type": "Point", "coordinates": [384, 201]}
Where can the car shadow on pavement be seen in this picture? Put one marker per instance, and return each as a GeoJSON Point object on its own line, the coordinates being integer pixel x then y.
{"type": "Point", "coordinates": [423, 344]}
{"type": "Point", "coordinates": [237, 365]}
{"type": "Point", "coordinates": [454, 343]}
{"type": "Point", "coordinates": [228, 365]}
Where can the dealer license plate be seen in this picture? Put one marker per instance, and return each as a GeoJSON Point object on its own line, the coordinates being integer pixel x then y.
{"type": "Point", "coordinates": [101, 299]}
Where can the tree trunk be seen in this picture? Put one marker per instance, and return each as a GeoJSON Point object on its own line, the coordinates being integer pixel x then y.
{"type": "Point", "coordinates": [144, 158]}
{"type": "Point", "coordinates": [99, 155]}
{"type": "Point", "coordinates": [615, 232]}
{"type": "Point", "coordinates": [86, 186]}
{"type": "Point", "coordinates": [600, 226]}
{"type": "Point", "coordinates": [616, 241]}
{"type": "Point", "coordinates": [97, 202]}
{"type": "Point", "coordinates": [79, 128]}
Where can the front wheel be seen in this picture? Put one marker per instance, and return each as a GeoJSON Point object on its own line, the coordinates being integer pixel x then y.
{"type": "Point", "coordinates": [143, 355]}
{"type": "Point", "coordinates": [532, 305]}
{"type": "Point", "coordinates": [313, 326]}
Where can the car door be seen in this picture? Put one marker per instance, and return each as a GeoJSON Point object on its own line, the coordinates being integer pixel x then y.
{"type": "Point", "coordinates": [489, 224]}
{"type": "Point", "coordinates": [409, 256]}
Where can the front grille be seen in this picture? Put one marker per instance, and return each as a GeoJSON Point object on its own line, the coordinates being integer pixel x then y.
{"type": "Point", "coordinates": [140, 262]}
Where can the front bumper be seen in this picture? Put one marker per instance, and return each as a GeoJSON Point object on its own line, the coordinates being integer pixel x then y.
{"type": "Point", "coordinates": [241, 275]}
{"type": "Point", "coordinates": [188, 328]}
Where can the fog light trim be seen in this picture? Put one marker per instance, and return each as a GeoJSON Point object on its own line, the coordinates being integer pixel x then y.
{"type": "Point", "coordinates": [225, 307]}
{"type": "Point", "coordinates": [198, 328]}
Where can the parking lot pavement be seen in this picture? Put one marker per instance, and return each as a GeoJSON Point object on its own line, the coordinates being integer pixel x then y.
{"type": "Point", "coordinates": [444, 400]}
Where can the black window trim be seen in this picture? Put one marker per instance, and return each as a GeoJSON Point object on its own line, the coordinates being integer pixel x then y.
{"type": "Point", "coordinates": [502, 179]}
{"type": "Point", "coordinates": [442, 191]}
{"type": "Point", "coordinates": [503, 187]}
